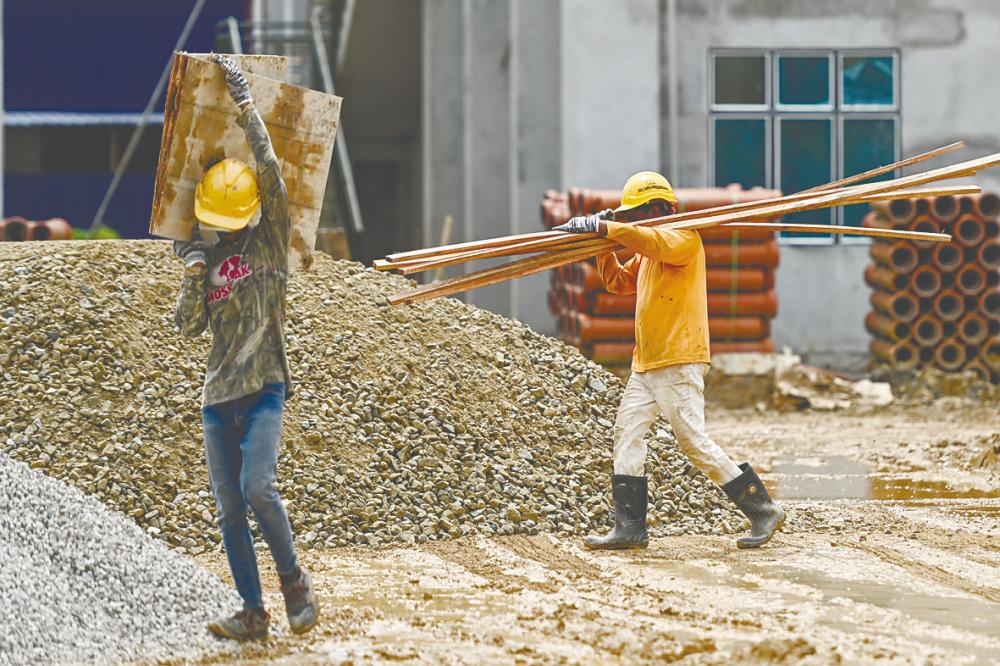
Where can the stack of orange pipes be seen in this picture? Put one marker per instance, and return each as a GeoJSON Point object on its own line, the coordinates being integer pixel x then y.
{"type": "Point", "coordinates": [937, 304]}
{"type": "Point", "coordinates": [17, 229]}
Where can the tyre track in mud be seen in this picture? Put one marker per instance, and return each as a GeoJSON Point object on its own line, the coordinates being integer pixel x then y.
{"type": "Point", "coordinates": [636, 624]}
{"type": "Point", "coordinates": [945, 543]}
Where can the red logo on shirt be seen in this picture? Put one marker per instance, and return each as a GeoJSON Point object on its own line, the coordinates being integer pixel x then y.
{"type": "Point", "coordinates": [225, 276]}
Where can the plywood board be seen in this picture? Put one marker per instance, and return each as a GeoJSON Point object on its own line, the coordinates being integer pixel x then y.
{"type": "Point", "coordinates": [200, 128]}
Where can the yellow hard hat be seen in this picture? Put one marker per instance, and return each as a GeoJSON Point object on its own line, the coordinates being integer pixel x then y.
{"type": "Point", "coordinates": [226, 197]}
{"type": "Point", "coordinates": [644, 187]}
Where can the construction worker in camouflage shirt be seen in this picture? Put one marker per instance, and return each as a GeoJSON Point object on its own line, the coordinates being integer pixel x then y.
{"type": "Point", "coordinates": [235, 279]}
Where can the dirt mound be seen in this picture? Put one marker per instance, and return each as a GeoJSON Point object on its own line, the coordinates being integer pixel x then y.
{"type": "Point", "coordinates": [410, 424]}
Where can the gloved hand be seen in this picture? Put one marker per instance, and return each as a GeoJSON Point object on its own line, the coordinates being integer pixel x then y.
{"type": "Point", "coordinates": [236, 82]}
{"type": "Point", "coordinates": [194, 252]}
{"type": "Point", "coordinates": [586, 225]}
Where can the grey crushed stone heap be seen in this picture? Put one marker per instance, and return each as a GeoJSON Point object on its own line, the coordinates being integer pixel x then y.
{"type": "Point", "coordinates": [410, 423]}
{"type": "Point", "coordinates": [82, 584]}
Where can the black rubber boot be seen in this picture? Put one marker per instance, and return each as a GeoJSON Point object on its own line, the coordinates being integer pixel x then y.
{"type": "Point", "coordinates": [629, 495]}
{"type": "Point", "coordinates": [750, 496]}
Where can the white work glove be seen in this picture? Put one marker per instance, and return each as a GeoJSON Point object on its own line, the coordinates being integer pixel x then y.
{"type": "Point", "coordinates": [586, 225]}
{"type": "Point", "coordinates": [193, 252]}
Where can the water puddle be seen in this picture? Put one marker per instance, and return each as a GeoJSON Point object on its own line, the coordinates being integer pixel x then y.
{"type": "Point", "coordinates": [837, 477]}
{"type": "Point", "coordinates": [955, 612]}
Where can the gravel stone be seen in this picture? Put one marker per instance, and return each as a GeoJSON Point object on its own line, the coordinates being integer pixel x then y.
{"type": "Point", "coordinates": [82, 584]}
{"type": "Point", "coordinates": [402, 413]}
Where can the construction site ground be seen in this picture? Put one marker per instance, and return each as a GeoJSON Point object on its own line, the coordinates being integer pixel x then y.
{"type": "Point", "coordinates": [900, 564]}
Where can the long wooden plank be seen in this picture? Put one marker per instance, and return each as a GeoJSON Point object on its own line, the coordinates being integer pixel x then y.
{"type": "Point", "coordinates": [540, 235]}
{"type": "Point", "coordinates": [564, 240]}
{"type": "Point", "coordinates": [899, 234]}
{"type": "Point", "coordinates": [531, 247]}
{"type": "Point", "coordinates": [539, 263]}
{"type": "Point", "coordinates": [878, 171]}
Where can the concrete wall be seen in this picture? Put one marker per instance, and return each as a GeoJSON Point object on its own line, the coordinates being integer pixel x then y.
{"type": "Point", "coordinates": [520, 96]}
{"type": "Point", "coordinates": [949, 50]}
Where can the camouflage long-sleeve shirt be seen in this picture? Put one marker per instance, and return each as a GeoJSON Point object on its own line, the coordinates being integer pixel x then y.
{"type": "Point", "coordinates": [241, 298]}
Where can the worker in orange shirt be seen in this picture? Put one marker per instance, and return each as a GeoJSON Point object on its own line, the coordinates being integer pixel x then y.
{"type": "Point", "coordinates": [669, 363]}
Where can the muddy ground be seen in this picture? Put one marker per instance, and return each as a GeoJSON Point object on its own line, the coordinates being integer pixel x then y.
{"type": "Point", "coordinates": [891, 554]}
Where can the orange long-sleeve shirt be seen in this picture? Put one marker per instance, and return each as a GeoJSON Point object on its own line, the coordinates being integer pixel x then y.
{"type": "Point", "coordinates": [668, 276]}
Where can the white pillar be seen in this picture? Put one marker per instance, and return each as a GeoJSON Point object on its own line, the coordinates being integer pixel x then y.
{"type": "Point", "coordinates": [443, 119]}
{"type": "Point", "coordinates": [488, 132]}
{"type": "Point", "coordinates": [610, 90]}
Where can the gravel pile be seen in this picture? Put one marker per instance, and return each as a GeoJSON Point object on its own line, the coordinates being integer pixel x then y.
{"type": "Point", "coordinates": [422, 422]}
{"type": "Point", "coordinates": [82, 584]}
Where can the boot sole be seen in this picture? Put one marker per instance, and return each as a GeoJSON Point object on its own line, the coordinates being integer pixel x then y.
{"type": "Point", "coordinates": [633, 546]}
{"type": "Point", "coordinates": [218, 631]}
{"type": "Point", "coordinates": [750, 546]}
{"type": "Point", "coordinates": [298, 631]}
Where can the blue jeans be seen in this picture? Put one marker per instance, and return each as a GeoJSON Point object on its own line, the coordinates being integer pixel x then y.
{"type": "Point", "coordinates": [241, 444]}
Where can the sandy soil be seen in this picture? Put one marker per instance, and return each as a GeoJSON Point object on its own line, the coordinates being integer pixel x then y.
{"type": "Point", "coordinates": [891, 554]}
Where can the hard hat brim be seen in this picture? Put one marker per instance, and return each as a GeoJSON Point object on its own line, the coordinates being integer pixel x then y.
{"type": "Point", "coordinates": [625, 206]}
{"type": "Point", "coordinates": [223, 222]}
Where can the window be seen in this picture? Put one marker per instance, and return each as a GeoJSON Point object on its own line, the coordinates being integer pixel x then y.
{"type": "Point", "coordinates": [795, 119]}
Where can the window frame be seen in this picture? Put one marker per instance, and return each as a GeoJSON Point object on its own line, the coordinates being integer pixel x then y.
{"type": "Point", "coordinates": [713, 54]}
{"type": "Point", "coordinates": [841, 152]}
{"type": "Point", "coordinates": [831, 62]}
{"type": "Point", "coordinates": [773, 112]}
{"type": "Point", "coordinates": [835, 218]}
{"type": "Point", "coordinates": [868, 108]}
{"type": "Point", "coordinates": [768, 144]}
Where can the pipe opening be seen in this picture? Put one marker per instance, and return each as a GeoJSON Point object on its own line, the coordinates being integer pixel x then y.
{"type": "Point", "coordinates": [971, 280]}
{"type": "Point", "coordinates": [903, 258]}
{"type": "Point", "coordinates": [903, 355]}
{"type": "Point", "coordinates": [950, 353]}
{"type": "Point", "coordinates": [969, 230]}
{"type": "Point", "coordinates": [929, 330]}
{"type": "Point", "coordinates": [16, 231]}
{"type": "Point", "coordinates": [945, 206]}
{"type": "Point", "coordinates": [947, 257]}
{"type": "Point", "coordinates": [989, 255]}
{"type": "Point", "coordinates": [991, 302]}
{"type": "Point", "coordinates": [972, 329]}
{"type": "Point", "coordinates": [904, 308]}
{"type": "Point", "coordinates": [926, 282]}
{"type": "Point", "coordinates": [901, 209]}
{"type": "Point", "coordinates": [989, 204]}
{"type": "Point", "coordinates": [949, 306]}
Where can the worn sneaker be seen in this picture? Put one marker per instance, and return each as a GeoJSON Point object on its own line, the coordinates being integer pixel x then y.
{"type": "Point", "coordinates": [300, 603]}
{"type": "Point", "coordinates": [245, 625]}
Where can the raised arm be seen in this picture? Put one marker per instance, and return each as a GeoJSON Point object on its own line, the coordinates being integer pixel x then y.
{"type": "Point", "coordinates": [270, 185]}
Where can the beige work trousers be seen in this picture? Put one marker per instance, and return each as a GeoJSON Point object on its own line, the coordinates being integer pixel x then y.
{"type": "Point", "coordinates": [678, 392]}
